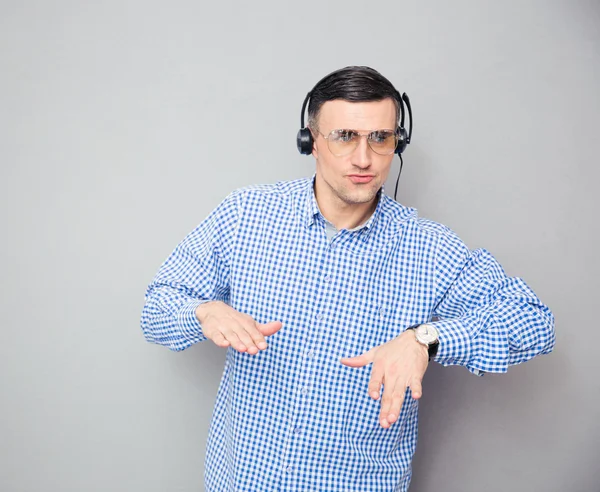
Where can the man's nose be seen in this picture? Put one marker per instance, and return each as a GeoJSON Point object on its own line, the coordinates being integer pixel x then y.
{"type": "Point", "coordinates": [361, 156]}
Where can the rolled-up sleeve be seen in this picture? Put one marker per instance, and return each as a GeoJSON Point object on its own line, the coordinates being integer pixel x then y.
{"type": "Point", "coordinates": [487, 321]}
{"type": "Point", "coordinates": [196, 271]}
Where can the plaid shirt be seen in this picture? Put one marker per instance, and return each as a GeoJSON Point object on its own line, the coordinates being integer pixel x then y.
{"type": "Point", "coordinates": [292, 417]}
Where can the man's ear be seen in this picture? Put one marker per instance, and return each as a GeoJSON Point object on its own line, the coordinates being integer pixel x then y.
{"type": "Point", "coordinates": [314, 152]}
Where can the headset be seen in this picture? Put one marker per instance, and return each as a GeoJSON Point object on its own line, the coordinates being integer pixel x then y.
{"type": "Point", "coordinates": [304, 139]}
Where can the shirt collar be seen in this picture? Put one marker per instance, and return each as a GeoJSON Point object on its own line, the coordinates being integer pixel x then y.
{"type": "Point", "coordinates": [312, 207]}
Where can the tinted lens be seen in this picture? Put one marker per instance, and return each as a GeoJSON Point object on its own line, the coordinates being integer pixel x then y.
{"type": "Point", "coordinates": [342, 142]}
{"type": "Point", "coordinates": [383, 141]}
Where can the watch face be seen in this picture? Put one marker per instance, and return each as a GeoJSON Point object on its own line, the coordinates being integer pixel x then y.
{"type": "Point", "coordinates": [427, 334]}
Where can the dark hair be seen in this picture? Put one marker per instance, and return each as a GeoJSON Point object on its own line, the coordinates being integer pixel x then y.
{"type": "Point", "coordinates": [355, 84]}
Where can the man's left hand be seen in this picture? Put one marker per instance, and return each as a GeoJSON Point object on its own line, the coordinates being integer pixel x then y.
{"type": "Point", "coordinates": [399, 364]}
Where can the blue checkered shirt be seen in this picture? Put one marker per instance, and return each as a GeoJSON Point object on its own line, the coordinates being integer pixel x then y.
{"type": "Point", "coordinates": [292, 417]}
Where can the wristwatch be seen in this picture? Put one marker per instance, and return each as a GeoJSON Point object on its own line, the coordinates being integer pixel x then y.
{"type": "Point", "coordinates": [427, 335]}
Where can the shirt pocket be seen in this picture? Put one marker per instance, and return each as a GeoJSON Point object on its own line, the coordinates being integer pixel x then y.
{"type": "Point", "coordinates": [370, 324]}
{"type": "Point", "coordinates": [372, 321]}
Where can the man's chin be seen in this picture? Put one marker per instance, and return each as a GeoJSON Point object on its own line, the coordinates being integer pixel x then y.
{"type": "Point", "coordinates": [356, 197]}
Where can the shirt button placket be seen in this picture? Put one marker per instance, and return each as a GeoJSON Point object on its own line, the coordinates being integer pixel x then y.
{"type": "Point", "coordinates": [309, 355]}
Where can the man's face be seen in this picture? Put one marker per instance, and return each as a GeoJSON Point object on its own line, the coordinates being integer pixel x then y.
{"type": "Point", "coordinates": [335, 172]}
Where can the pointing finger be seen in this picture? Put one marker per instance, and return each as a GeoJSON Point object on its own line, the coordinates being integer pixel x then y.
{"type": "Point", "coordinates": [268, 329]}
{"type": "Point", "coordinates": [360, 360]}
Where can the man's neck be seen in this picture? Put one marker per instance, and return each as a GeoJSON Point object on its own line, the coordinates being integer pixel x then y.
{"type": "Point", "coordinates": [343, 215]}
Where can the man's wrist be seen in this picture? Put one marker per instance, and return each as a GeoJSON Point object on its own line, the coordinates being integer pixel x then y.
{"type": "Point", "coordinates": [423, 348]}
{"type": "Point", "coordinates": [427, 336]}
{"type": "Point", "coordinates": [202, 310]}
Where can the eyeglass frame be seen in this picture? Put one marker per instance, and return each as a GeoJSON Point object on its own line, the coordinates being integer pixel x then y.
{"type": "Point", "coordinates": [361, 134]}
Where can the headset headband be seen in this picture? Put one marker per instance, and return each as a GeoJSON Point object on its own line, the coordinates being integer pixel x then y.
{"type": "Point", "coordinates": [400, 99]}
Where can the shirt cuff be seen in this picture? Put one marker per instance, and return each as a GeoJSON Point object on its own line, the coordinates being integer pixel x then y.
{"type": "Point", "coordinates": [190, 326]}
{"type": "Point", "coordinates": [456, 346]}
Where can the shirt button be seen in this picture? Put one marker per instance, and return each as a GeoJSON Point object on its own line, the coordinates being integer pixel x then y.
{"type": "Point", "coordinates": [289, 469]}
{"type": "Point", "coordinates": [297, 430]}
{"type": "Point", "coordinates": [304, 391]}
{"type": "Point", "coordinates": [319, 316]}
{"type": "Point", "coordinates": [327, 278]}
{"type": "Point", "coordinates": [310, 354]}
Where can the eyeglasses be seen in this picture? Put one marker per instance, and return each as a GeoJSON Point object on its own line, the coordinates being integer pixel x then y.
{"type": "Point", "coordinates": [343, 142]}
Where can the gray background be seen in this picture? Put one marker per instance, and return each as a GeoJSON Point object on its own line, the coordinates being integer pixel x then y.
{"type": "Point", "coordinates": [123, 124]}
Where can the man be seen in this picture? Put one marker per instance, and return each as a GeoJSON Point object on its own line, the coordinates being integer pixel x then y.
{"type": "Point", "coordinates": [324, 290]}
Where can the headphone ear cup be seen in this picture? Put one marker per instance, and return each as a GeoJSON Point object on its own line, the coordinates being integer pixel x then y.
{"type": "Point", "coordinates": [402, 140]}
{"type": "Point", "coordinates": [304, 141]}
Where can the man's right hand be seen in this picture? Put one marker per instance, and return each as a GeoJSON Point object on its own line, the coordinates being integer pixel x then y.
{"type": "Point", "coordinates": [227, 327]}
